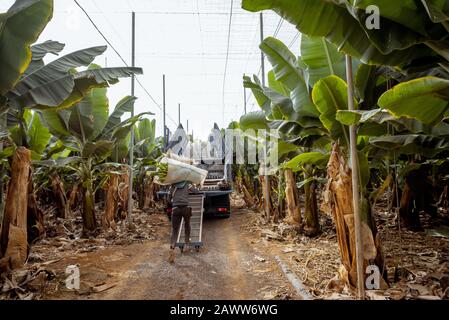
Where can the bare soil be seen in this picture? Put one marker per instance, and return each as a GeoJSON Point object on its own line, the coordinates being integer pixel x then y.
{"type": "Point", "coordinates": [236, 262]}
{"type": "Point", "coordinates": [230, 266]}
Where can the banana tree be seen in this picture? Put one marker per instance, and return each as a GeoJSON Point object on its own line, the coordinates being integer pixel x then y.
{"type": "Point", "coordinates": [412, 39]}
{"type": "Point", "coordinates": [30, 17]}
{"type": "Point", "coordinates": [289, 106]}
{"type": "Point", "coordinates": [409, 30]}
{"type": "Point", "coordinates": [53, 86]}
{"type": "Point", "coordinates": [90, 134]}
{"type": "Point", "coordinates": [328, 96]}
{"type": "Point", "coordinates": [147, 149]}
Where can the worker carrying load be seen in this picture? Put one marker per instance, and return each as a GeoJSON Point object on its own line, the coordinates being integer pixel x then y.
{"type": "Point", "coordinates": [179, 196]}
{"type": "Point", "coordinates": [183, 179]}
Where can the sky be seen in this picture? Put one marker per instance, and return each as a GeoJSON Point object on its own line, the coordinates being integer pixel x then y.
{"type": "Point", "coordinates": [185, 40]}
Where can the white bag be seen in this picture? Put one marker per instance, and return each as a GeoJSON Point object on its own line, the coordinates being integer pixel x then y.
{"type": "Point", "coordinates": [173, 156]}
{"type": "Point", "coordinates": [179, 171]}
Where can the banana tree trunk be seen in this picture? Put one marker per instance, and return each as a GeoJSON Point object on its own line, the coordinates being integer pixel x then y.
{"type": "Point", "coordinates": [88, 209]}
{"type": "Point", "coordinates": [266, 189]}
{"type": "Point", "coordinates": [281, 195]}
{"type": "Point", "coordinates": [141, 188]}
{"type": "Point", "coordinates": [311, 221]}
{"type": "Point", "coordinates": [291, 193]}
{"type": "Point", "coordinates": [35, 216]}
{"type": "Point", "coordinates": [59, 196]}
{"type": "Point", "coordinates": [248, 198]}
{"type": "Point", "coordinates": [338, 200]}
{"type": "Point", "coordinates": [13, 244]}
{"type": "Point", "coordinates": [149, 194]}
{"type": "Point", "coordinates": [111, 206]}
{"type": "Point", "coordinates": [123, 192]}
{"type": "Point", "coordinates": [74, 195]}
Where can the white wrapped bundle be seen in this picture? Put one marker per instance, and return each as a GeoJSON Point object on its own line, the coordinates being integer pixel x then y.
{"type": "Point", "coordinates": [173, 156]}
{"type": "Point", "coordinates": [178, 171]}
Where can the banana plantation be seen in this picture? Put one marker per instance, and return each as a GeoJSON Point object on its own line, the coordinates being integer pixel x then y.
{"type": "Point", "coordinates": [357, 206]}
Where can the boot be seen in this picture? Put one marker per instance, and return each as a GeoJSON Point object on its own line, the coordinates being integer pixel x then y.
{"type": "Point", "coordinates": [171, 257]}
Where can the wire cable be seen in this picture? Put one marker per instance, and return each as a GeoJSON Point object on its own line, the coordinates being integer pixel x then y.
{"type": "Point", "coordinates": [278, 28]}
{"type": "Point", "coordinates": [227, 59]}
{"type": "Point", "coordinates": [121, 58]}
{"type": "Point", "coordinates": [294, 40]}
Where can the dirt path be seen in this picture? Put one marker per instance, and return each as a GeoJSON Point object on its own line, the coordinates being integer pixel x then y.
{"type": "Point", "coordinates": [230, 266]}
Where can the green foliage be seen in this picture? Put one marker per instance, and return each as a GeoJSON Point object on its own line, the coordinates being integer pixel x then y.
{"type": "Point", "coordinates": [308, 158]}
{"type": "Point", "coordinates": [30, 17]}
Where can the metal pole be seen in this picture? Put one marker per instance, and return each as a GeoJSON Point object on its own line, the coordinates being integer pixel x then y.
{"type": "Point", "coordinates": [244, 98]}
{"type": "Point", "coordinates": [267, 178]}
{"type": "Point", "coordinates": [131, 146]}
{"type": "Point", "coordinates": [355, 184]}
{"type": "Point", "coordinates": [179, 114]}
{"type": "Point", "coordinates": [187, 127]}
{"type": "Point", "coordinates": [261, 52]}
{"type": "Point", "coordinates": [163, 110]}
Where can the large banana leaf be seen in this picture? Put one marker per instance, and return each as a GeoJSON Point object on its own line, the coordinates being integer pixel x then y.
{"type": "Point", "coordinates": [332, 20]}
{"type": "Point", "coordinates": [109, 75]}
{"type": "Point", "coordinates": [407, 13]}
{"type": "Point", "coordinates": [99, 150]}
{"type": "Point", "coordinates": [145, 137]}
{"type": "Point", "coordinates": [89, 117]}
{"type": "Point", "coordinates": [425, 145]}
{"type": "Point", "coordinates": [146, 129]}
{"type": "Point", "coordinates": [49, 95]}
{"type": "Point", "coordinates": [402, 24]}
{"type": "Point", "coordinates": [425, 99]}
{"type": "Point", "coordinates": [262, 100]}
{"type": "Point", "coordinates": [321, 58]}
{"type": "Point", "coordinates": [39, 51]}
{"type": "Point", "coordinates": [380, 116]}
{"type": "Point", "coordinates": [124, 128]}
{"type": "Point", "coordinates": [121, 149]}
{"type": "Point", "coordinates": [438, 10]}
{"type": "Point", "coordinates": [283, 148]}
{"type": "Point", "coordinates": [253, 120]}
{"type": "Point", "coordinates": [311, 158]}
{"type": "Point", "coordinates": [330, 95]}
{"type": "Point", "coordinates": [19, 28]}
{"type": "Point", "coordinates": [287, 71]}
{"type": "Point", "coordinates": [65, 92]}
{"type": "Point", "coordinates": [124, 105]}
{"type": "Point", "coordinates": [58, 68]}
{"type": "Point", "coordinates": [364, 83]}
{"type": "Point", "coordinates": [38, 136]}
{"type": "Point", "coordinates": [276, 85]}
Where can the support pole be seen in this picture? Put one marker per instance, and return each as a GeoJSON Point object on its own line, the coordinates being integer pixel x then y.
{"type": "Point", "coordinates": [355, 185]}
{"type": "Point", "coordinates": [267, 177]}
{"type": "Point", "coordinates": [244, 98]}
{"type": "Point", "coordinates": [179, 114]}
{"type": "Point", "coordinates": [131, 146]}
{"type": "Point", "coordinates": [163, 111]}
{"type": "Point", "coordinates": [261, 52]}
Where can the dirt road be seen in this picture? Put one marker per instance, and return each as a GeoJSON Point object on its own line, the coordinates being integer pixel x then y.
{"type": "Point", "coordinates": [230, 266]}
